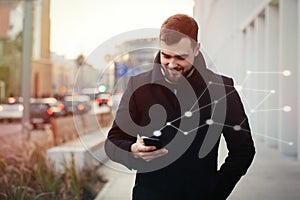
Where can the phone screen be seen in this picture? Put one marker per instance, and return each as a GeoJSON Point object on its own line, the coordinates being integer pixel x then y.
{"type": "Point", "coordinates": [150, 141]}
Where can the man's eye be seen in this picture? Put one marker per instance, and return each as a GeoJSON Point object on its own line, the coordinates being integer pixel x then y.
{"type": "Point", "coordinates": [167, 56]}
{"type": "Point", "coordinates": [180, 58]}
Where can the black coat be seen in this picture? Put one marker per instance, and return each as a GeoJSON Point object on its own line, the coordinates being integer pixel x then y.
{"type": "Point", "coordinates": [189, 170]}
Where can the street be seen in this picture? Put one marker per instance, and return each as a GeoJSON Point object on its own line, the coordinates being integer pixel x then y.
{"type": "Point", "coordinates": [9, 129]}
{"type": "Point", "coordinates": [64, 128]}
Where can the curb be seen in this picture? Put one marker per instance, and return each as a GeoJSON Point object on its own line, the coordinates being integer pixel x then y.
{"type": "Point", "coordinates": [103, 191]}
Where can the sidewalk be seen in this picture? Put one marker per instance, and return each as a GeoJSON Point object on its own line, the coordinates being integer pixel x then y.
{"type": "Point", "coordinates": [120, 182]}
{"type": "Point", "coordinates": [272, 176]}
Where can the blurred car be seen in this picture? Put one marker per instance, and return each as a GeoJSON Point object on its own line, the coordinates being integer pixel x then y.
{"type": "Point", "coordinates": [43, 109]}
{"type": "Point", "coordinates": [11, 110]}
{"type": "Point", "coordinates": [76, 104]}
{"type": "Point", "coordinates": [104, 99]}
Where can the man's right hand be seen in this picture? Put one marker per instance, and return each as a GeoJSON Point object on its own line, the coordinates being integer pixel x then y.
{"type": "Point", "coordinates": [147, 153]}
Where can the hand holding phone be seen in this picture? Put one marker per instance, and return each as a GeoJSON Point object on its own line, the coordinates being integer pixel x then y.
{"type": "Point", "coordinates": [143, 148]}
{"type": "Point", "coordinates": [152, 141]}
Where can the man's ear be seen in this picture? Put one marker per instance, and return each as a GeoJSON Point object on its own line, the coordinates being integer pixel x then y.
{"type": "Point", "coordinates": [197, 49]}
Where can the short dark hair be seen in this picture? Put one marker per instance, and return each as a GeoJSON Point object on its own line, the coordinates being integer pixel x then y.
{"type": "Point", "coordinates": [178, 26]}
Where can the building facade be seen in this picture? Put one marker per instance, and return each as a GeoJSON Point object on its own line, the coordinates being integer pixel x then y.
{"type": "Point", "coordinates": [42, 71]}
{"type": "Point", "coordinates": [133, 56]}
{"type": "Point", "coordinates": [11, 23]}
{"type": "Point", "coordinates": [257, 43]}
{"type": "Point", "coordinates": [11, 15]}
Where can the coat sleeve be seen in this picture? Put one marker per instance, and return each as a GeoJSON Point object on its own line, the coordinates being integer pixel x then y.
{"type": "Point", "coordinates": [239, 143]}
{"type": "Point", "coordinates": [119, 141]}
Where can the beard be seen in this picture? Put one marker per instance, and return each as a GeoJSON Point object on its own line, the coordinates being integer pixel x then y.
{"type": "Point", "coordinates": [175, 74]}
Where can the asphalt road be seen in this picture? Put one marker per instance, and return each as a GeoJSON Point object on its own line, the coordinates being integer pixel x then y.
{"type": "Point", "coordinates": [7, 129]}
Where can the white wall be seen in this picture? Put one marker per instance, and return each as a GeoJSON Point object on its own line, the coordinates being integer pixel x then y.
{"type": "Point", "coordinates": [298, 79]}
{"type": "Point", "coordinates": [271, 64]}
{"type": "Point", "coordinates": [288, 61]}
{"type": "Point", "coordinates": [220, 33]}
{"type": "Point", "coordinates": [37, 34]}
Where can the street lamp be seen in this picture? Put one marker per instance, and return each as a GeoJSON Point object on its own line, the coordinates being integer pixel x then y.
{"type": "Point", "coordinates": [26, 64]}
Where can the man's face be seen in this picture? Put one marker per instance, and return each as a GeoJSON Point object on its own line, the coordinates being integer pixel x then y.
{"type": "Point", "coordinates": [177, 59]}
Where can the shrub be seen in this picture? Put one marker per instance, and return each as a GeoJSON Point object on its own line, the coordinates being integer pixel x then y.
{"type": "Point", "coordinates": [25, 174]}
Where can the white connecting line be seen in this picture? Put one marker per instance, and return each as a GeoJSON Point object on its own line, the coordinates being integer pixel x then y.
{"type": "Point", "coordinates": [189, 113]}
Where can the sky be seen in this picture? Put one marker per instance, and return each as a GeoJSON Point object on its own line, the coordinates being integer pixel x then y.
{"type": "Point", "coordinates": [79, 26]}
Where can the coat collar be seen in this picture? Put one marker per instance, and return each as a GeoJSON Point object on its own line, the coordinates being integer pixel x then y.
{"type": "Point", "coordinates": [157, 76]}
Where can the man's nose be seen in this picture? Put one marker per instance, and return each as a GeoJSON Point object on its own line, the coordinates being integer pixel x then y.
{"type": "Point", "coordinates": [172, 64]}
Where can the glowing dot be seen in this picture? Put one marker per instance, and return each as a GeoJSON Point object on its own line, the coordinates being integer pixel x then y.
{"type": "Point", "coordinates": [249, 72]}
{"type": "Point", "coordinates": [188, 114]}
{"type": "Point", "coordinates": [209, 121]}
{"type": "Point", "coordinates": [252, 110]}
{"type": "Point", "coordinates": [286, 73]}
{"type": "Point", "coordinates": [209, 83]}
{"type": "Point", "coordinates": [291, 143]}
{"type": "Point", "coordinates": [287, 108]}
{"type": "Point", "coordinates": [237, 127]}
{"type": "Point", "coordinates": [215, 102]}
{"type": "Point", "coordinates": [273, 91]}
{"type": "Point", "coordinates": [238, 87]}
{"type": "Point", "coordinates": [168, 123]}
{"type": "Point", "coordinates": [185, 133]}
{"type": "Point", "coordinates": [157, 133]}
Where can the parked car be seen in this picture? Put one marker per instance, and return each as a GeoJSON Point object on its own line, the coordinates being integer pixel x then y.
{"type": "Point", "coordinates": [77, 104]}
{"type": "Point", "coordinates": [11, 110]}
{"type": "Point", "coordinates": [104, 99]}
{"type": "Point", "coordinates": [43, 109]}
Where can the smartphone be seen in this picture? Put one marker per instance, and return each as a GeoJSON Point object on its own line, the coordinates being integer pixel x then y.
{"type": "Point", "coordinates": [151, 141]}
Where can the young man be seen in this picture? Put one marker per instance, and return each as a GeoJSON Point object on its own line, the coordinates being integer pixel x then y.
{"type": "Point", "coordinates": [185, 107]}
